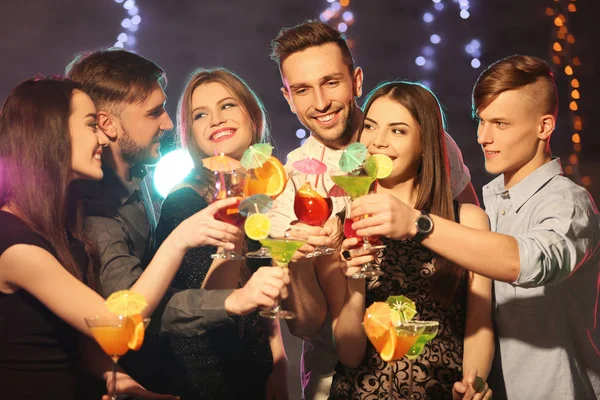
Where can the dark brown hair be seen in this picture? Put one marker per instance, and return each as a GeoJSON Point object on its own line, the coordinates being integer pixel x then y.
{"type": "Point", "coordinates": [513, 73]}
{"type": "Point", "coordinates": [35, 148]}
{"type": "Point", "coordinates": [116, 76]}
{"type": "Point", "coordinates": [308, 34]}
{"type": "Point", "coordinates": [240, 90]}
{"type": "Point", "coordinates": [434, 191]}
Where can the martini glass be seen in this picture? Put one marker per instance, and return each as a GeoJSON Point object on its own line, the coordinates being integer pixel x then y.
{"type": "Point", "coordinates": [356, 184]}
{"type": "Point", "coordinates": [282, 250]}
{"type": "Point", "coordinates": [113, 333]}
{"type": "Point", "coordinates": [229, 184]}
{"type": "Point", "coordinates": [430, 330]}
{"type": "Point", "coordinates": [406, 333]}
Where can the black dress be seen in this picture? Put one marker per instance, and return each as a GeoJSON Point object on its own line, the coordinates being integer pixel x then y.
{"type": "Point", "coordinates": [408, 269]}
{"type": "Point", "coordinates": [37, 348]}
{"type": "Point", "coordinates": [228, 362]}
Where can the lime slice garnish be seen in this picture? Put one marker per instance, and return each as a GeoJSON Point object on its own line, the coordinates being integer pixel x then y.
{"type": "Point", "coordinates": [257, 226]}
{"type": "Point", "coordinates": [379, 165]}
{"type": "Point", "coordinates": [405, 307]}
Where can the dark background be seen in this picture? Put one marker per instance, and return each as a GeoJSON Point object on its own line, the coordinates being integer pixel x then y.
{"type": "Point", "coordinates": [387, 35]}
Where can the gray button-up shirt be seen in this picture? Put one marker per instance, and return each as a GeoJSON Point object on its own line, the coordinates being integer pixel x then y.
{"type": "Point", "coordinates": [545, 321]}
{"type": "Point", "coordinates": [119, 219]}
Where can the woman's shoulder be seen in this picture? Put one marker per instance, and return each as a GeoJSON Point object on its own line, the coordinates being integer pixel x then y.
{"type": "Point", "coordinates": [184, 196]}
{"type": "Point", "coordinates": [16, 231]}
{"type": "Point", "coordinates": [473, 216]}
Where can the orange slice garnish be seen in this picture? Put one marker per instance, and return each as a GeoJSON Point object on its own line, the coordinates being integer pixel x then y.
{"type": "Point", "coordinates": [126, 303]}
{"type": "Point", "coordinates": [270, 179]}
{"type": "Point", "coordinates": [388, 350]}
{"type": "Point", "coordinates": [135, 331]}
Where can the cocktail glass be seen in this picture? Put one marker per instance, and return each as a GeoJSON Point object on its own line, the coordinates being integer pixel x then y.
{"type": "Point", "coordinates": [312, 205]}
{"type": "Point", "coordinates": [406, 334]}
{"type": "Point", "coordinates": [356, 184]}
{"type": "Point", "coordinates": [430, 330]}
{"type": "Point", "coordinates": [229, 184]}
{"type": "Point", "coordinates": [282, 250]}
{"type": "Point", "coordinates": [113, 333]}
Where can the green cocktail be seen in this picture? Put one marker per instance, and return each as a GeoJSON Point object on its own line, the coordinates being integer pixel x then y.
{"type": "Point", "coordinates": [282, 250]}
{"type": "Point", "coordinates": [430, 331]}
{"type": "Point", "coordinates": [356, 185]}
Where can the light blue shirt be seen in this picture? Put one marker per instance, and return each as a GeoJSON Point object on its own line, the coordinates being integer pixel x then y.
{"type": "Point", "coordinates": [545, 320]}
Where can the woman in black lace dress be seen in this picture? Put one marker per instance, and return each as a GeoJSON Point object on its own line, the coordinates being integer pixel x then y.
{"type": "Point", "coordinates": [404, 121]}
{"type": "Point", "coordinates": [219, 113]}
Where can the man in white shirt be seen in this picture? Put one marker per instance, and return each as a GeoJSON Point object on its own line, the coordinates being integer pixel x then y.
{"type": "Point", "coordinates": [321, 84]}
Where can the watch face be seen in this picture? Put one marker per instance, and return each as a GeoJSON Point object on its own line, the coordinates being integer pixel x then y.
{"type": "Point", "coordinates": [424, 224]}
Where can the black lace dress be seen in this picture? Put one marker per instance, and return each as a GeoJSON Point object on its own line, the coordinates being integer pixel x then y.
{"type": "Point", "coordinates": [408, 269]}
{"type": "Point", "coordinates": [227, 362]}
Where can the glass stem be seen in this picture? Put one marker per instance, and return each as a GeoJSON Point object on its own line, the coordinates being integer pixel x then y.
{"type": "Point", "coordinates": [391, 372]}
{"type": "Point", "coordinates": [410, 378]}
{"type": "Point", "coordinates": [113, 395]}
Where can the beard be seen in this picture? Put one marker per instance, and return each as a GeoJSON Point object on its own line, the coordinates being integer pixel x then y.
{"type": "Point", "coordinates": [135, 154]}
{"type": "Point", "coordinates": [341, 134]}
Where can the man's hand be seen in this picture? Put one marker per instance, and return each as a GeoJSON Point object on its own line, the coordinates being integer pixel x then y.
{"type": "Point", "coordinates": [471, 387]}
{"type": "Point", "coordinates": [315, 236]}
{"type": "Point", "coordinates": [387, 216]}
{"type": "Point", "coordinates": [126, 384]}
{"type": "Point", "coordinates": [266, 286]}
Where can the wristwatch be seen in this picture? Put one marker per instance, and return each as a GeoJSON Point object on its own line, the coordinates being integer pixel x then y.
{"type": "Point", "coordinates": [424, 225]}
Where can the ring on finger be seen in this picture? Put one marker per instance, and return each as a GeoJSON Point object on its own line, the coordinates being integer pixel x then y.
{"type": "Point", "coordinates": [346, 255]}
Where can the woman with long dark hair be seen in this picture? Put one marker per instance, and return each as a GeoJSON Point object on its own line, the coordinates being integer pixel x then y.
{"type": "Point", "coordinates": [48, 139]}
{"type": "Point", "coordinates": [404, 121]}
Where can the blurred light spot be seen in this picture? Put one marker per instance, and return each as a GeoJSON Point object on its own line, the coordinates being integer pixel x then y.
{"type": "Point", "coordinates": [575, 94]}
{"type": "Point", "coordinates": [469, 48]}
{"type": "Point", "coordinates": [435, 39]}
{"type": "Point", "coordinates": [133, 28]}
{"type": "Point", "coordinates": [576, 138]}
{"type": "Point", "coordinates": [133, 11]}
{"type": "Point", "coordinates": [342, 27]}
{"type": "Point", "coordinates": [335, 6]}
{"type": "Point", "coordinates": [427, 17]}
{"type": "Point", "coordinates": [586, 181]}
{"type": "Point", "coordinates": [556, 46]}
{"type": "Point", "coordinates": [577, 123]}
{"type": "Point", "coordinates": [131, 40]}
{"type": "Point", "coordinates": [128, 4]}
{"type": "Point", "coordinates": [119, 1]}
{"type": "Point", "coordinates": [573, 106]}
{"type": "Point", "coordinates": [556, 59]}
{"type": "Point", "coordinates": [344, 3]}
{"type": "Point", "coordinates": [572, 7]}
{"type": "Point", "coordinates": [558, 21]}
{"type": "Point", "coordinates": [575, 83]}
{"type": "Point", "coordinates": [118, 44]}
{"type": "Point", "coordinates": [475, 63]}
{"type": "Point", "coordinates": [347, 16]}
{"type": "Point", "coordinates": [300, 133]}
{"type": "Point", "coordinates": [464, 14]}
{"type": "Point", "coordinates": [576, 61]}
{"type": "Point", "coordinates": [427, 84]}
{"type": "Point", "coordinates": [549, 11]}
{"type": "Point", "coordinates": [428, 65]}
{"type": "Point", "coordinates": [436, 1]}
{"type": "Point", "coordinates": [438, 6]}
{"type": "Point", "coordinates": [420, 61]}
{"type": "Point", "coordinates": [573, 159]}
{"type": "Point", "coordinates": [122, 37]}
{"type": "Point", "coordinates": [171, 169]}
{"type": "Point", "coordinates": [577, 147]}
{"type": "Point", "coordinates": [568, 170]}
{"type": "Point", "coordinates": [428, 51]}
{"type": "Point", "coordinates": [126, 23]}
{"type": "Point", "coordinates": [568, 70]}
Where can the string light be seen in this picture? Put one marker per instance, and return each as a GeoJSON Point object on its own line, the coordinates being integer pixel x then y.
{"type": "Point", "coordinates": [426, 59]}
{"type": "Point", "coordinates": [338, 15]}
{"type": "Point", "coordinates": [562, 56]}
{"type": "Point", "coordinates": [130, 23]}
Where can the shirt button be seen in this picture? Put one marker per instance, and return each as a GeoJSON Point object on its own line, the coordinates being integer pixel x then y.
{"type": "Point", "coordinates": [503, 212]}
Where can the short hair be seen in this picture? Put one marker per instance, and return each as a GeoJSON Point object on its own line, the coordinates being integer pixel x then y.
{"type": "Point", "coordinates": [308, 34]}
{"type": "Point", "coordinates": [516, 72]}
{"type": "Point", "coordinates": [114, 76]}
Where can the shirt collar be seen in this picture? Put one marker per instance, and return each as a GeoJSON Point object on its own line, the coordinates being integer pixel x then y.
{"type": "Point", "coordinates": [122, 189]}
{"type": "Point", "coordinates": [527, 187]}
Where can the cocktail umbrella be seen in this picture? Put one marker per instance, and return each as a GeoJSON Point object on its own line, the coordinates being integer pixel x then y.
{"type": "Point", "coordinates": [353, 157]}
{"type": "Point", "coordinates": [221, 163]}
{"type": "Point", "coordinates": [256, 155]}
{"type": "Point", "coordinates": [336, 191]}
{"type": "Point", "coordinates": [310, 166]}
{"type": "Point", "coordinates": [258, 203]}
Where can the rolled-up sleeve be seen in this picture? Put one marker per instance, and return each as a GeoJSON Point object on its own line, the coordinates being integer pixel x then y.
{"type": "Point", "coordinates": [557, 245]}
